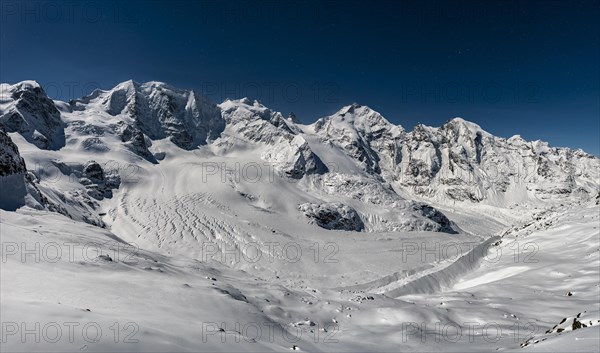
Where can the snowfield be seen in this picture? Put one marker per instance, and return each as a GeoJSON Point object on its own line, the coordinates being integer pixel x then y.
{"type": "Point", "coordinates": [147, 218]}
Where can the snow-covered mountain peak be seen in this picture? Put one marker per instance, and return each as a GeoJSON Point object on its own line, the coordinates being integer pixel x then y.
{"type": "Point", "coordinates": [19, 86]}
{"type": "Point", "coordinates": [348, 109]}
{"type": "Point", "coordinates": [464, 127]}
{"type": "Point", "coordinates": [126, 85]}
{"type": "Point", "coordinates": [357, 117]}
{"type": "Point", "coordinates": [360, 132]}
{"type": "Point", "coordinates": [254, 122]}
{"type": "Point", "coordinates": [25, 108]}
{"type": "Point", "coordinates": [461, 121]}
{"type": "Point", "coordinates": [245, 104]}
{"type": "Point", "coordinates": [157, 84]}
{"type": "Point", "coordinates": [132, 85]}
{"type": "Point", "coordinates": [154, 87]}
{"type": "Point", "coordinates": [158, 110]}
{"type": "Point", "coordinates": [516, 140]}
{"type": "Point", "coordinates": [355, 126]}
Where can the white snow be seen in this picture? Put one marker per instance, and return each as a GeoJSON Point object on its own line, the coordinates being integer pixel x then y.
{"type": "Point", "coordinates": [209, 236]}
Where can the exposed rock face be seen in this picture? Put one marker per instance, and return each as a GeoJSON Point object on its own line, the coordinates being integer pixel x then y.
{"type": "Point", "coordinates": [134, 139]}
{"type": "Point", "coordinates": [292, 118]}
{"type": "Point", "coordinates": [11, 161]}
{"type": "Point", "coordinates": [16, 185]}
{"type": "Point", "coordinates": [442, 223]}
{"type": "Point", "coordinates": [93, 171]}
{"type": "Point", "coordinates": [333, 216]}
{"type": "Point", "coordinates": [98, 184]}
{"type": "Point", "coordinates": [25, 108]}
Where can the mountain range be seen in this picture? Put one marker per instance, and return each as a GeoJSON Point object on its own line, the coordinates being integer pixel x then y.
{"type": "Point", "coordinates": [358, 170]}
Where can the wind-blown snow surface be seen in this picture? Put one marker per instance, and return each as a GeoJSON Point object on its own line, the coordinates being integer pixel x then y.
{"type": "Point", "coordinates": [238, 229]}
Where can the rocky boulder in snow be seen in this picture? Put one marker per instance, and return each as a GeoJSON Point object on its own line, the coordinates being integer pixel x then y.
{"type": "Point", "coordinates": [333, 216]}
{"type": "Point", "coordinates": [98, 184]}
{"type": "Point", "coordinates": [11, 161]}
{"type": "Point", "coordinates": [382, 209]}
{"type": "Point", "coordinates": [75, 192]}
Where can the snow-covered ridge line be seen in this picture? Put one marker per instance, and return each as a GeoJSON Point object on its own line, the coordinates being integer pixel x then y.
{"type": "Point", "coordinates": [355, 158]}
{"type": "Point", "coordinates": [459, 161]}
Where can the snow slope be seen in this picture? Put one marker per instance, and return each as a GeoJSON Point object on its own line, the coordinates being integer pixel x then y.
{"type": "Point", "coordinates": [85, 276]}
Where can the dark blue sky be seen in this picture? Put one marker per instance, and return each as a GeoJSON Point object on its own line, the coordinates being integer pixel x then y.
{"type": "Point", "coordinates": [526, 67]}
